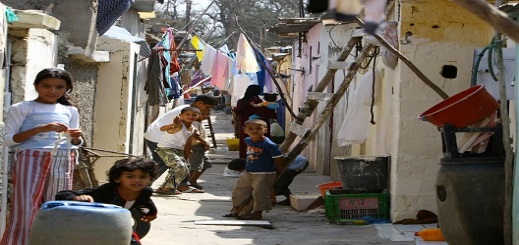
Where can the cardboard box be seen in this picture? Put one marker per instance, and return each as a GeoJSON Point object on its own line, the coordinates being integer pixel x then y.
{"type": "Point", "coordinates": [301, 202]}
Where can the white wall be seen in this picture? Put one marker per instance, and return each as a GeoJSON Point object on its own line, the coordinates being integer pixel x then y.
{"type": "Point", "coordinates": [114, 96]}
{"type": "Point", "coordinates": [442, 33]}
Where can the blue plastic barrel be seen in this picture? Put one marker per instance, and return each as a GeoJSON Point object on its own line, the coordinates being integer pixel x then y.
{"type": "Point", "coordinates": [81, 223]}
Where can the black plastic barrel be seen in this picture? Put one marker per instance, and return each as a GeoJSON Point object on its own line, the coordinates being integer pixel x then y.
{"type": "Point", "coordinates": [364, 174]}
{"type": "Point", "coordinates": [470, 198]}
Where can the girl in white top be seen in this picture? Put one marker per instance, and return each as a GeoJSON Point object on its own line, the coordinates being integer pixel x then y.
{"type": "Point", "coordinates": [45, 132]}
{"type": "Point", "coordinates": [174, 147]}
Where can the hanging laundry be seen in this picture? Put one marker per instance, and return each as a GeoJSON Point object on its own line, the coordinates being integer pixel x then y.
{"type": "Point", "coordinates": [345, 10]}
{"type": "Point", "coordinates": [208, 60]}
{"type": "Point", "coordinates": [245, 57]}
{"type": "Point", "coordinates": [264, 79]}
{"type": "Point", "coordinates": [220, 70]}
{"type": "Point", "coordinates": [348, 10]}
{"type": "Point", "coordinates": [154, 86]}
{"type": "Point", "coordinates": [175, 91]}
{"type": "Point", "coordinates": [198, 44]}
{"type": "Point", "coordinates": [354, 129]}
{"type": "Point", "coordinates": [240, 84]}
{"type": "Point", "coordinates": [174, 65]}
{"type": "Point", "coordinates": [374, 15]}
{"type": "Point", "coordinates": [390, 34]}
{"type": "Point", "coordinates": [108, 11]}
{"type": "Point", "coordinates": [10, 15]}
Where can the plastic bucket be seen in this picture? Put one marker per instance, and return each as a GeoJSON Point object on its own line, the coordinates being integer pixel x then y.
{"type": "Point", "coordinates": [329, 186]}
{"type": "Point", "coordinates": [81, 223]}
{"type": "Point", "coordinates": [364, 174]}
{"type": "Point", "coordinates": [233, 144]}
{"type": "Point", "coordinates": [462, 109]}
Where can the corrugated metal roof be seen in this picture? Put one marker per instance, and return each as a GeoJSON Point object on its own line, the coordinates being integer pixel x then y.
{"type": "Point", "coordinates": [290, 27]}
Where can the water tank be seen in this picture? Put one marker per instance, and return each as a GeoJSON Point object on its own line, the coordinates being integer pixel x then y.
{"type": "Point", "coordinates": [81, 223]}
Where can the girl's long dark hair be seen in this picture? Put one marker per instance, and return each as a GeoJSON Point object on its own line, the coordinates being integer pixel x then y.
{"type": "Point", "coordinates": [60, 74]}
{"type": "Point", "coordinates": [252, 90]}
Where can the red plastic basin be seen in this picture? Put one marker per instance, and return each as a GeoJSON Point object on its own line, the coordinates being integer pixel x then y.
{"type": "Point", "coordinates": [462, 109]}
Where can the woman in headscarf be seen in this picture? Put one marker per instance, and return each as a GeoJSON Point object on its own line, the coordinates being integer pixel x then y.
{"type": "Point", "coordinates": [244, 109]}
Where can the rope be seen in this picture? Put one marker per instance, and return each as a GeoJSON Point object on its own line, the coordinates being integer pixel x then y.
{"type": "Point", "coordinates": [372, 121]}
{"type": "Point", "coordinates": [102, 150]}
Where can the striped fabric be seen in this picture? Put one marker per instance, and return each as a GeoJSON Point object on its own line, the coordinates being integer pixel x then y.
{"type": "Point", "coordinates": [37, 177]}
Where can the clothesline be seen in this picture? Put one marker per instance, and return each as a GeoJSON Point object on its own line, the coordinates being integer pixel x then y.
{"type": "Point", "coordinates": [196, 85]}
{"type": "Point", "coordinates": [177, 50]}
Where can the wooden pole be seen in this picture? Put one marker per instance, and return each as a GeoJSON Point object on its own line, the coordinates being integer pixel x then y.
{"type": "Point", "coordinates": [409, 64]}
{"type": "Point", "coordinates": [507, 26]}
{"type": "Point", "coordinates": [507, 212]}
{"type": "Point", "coordinates": [493, 16]}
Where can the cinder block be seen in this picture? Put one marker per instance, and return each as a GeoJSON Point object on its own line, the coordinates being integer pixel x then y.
{"type": "Point", "coordinates": [301, 201]}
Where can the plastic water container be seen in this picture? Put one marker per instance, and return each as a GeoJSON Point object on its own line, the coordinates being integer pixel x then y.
{"type": "Point", "coordinates": [81, 223]}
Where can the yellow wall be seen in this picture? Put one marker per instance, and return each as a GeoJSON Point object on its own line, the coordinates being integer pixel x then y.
{"type": "Point", "coordinates": [439, 33]}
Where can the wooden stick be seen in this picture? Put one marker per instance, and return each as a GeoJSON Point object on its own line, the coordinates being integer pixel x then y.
{"type": "Point", "coordinates": [493, 16]}
{"type": "Point", "coordinates": [409, 64]}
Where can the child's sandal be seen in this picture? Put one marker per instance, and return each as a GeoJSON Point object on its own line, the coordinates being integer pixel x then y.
{"type": "Point", "coordinates": [230, 215]}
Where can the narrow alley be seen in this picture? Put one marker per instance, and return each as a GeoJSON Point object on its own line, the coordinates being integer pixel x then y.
{"type": "Point", "coordinates": [177, 214]}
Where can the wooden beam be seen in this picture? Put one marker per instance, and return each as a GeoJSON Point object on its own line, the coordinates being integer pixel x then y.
{"type": "Point", "coordinates": [409, 64]}
{"type": "Point", "coordinates": [493, 16]}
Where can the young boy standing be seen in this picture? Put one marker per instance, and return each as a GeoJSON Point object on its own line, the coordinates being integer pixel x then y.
{"type": "Point", "coordinates": [264, 160]}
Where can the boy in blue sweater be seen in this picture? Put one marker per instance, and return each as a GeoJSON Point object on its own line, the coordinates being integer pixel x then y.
{"type": "Point", "coordinates": [264, 160]}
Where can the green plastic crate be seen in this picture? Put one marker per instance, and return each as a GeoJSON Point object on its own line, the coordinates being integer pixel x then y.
{"type": "Point", "coordinates": [341, 208]}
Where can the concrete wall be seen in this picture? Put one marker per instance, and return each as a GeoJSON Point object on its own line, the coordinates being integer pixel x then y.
{"type": "Point", "coordinates": [78, 18]}
{"type": "Point", "coordinates": [32, 51]}
{"type": "Point", "coordinates": [114, 120]}
{"type": "Point", "coordinates": [85, 80]}
{"type": "Point", "coordinates": [443, 33]}
{"type": "Point", "coordinates": [432, 34]}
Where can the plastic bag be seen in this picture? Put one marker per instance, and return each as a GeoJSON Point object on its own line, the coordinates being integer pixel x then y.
{"type": "Point", "coordinates": [276, 130]}
{"type": "Point", "coordinates": [277, 135]}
